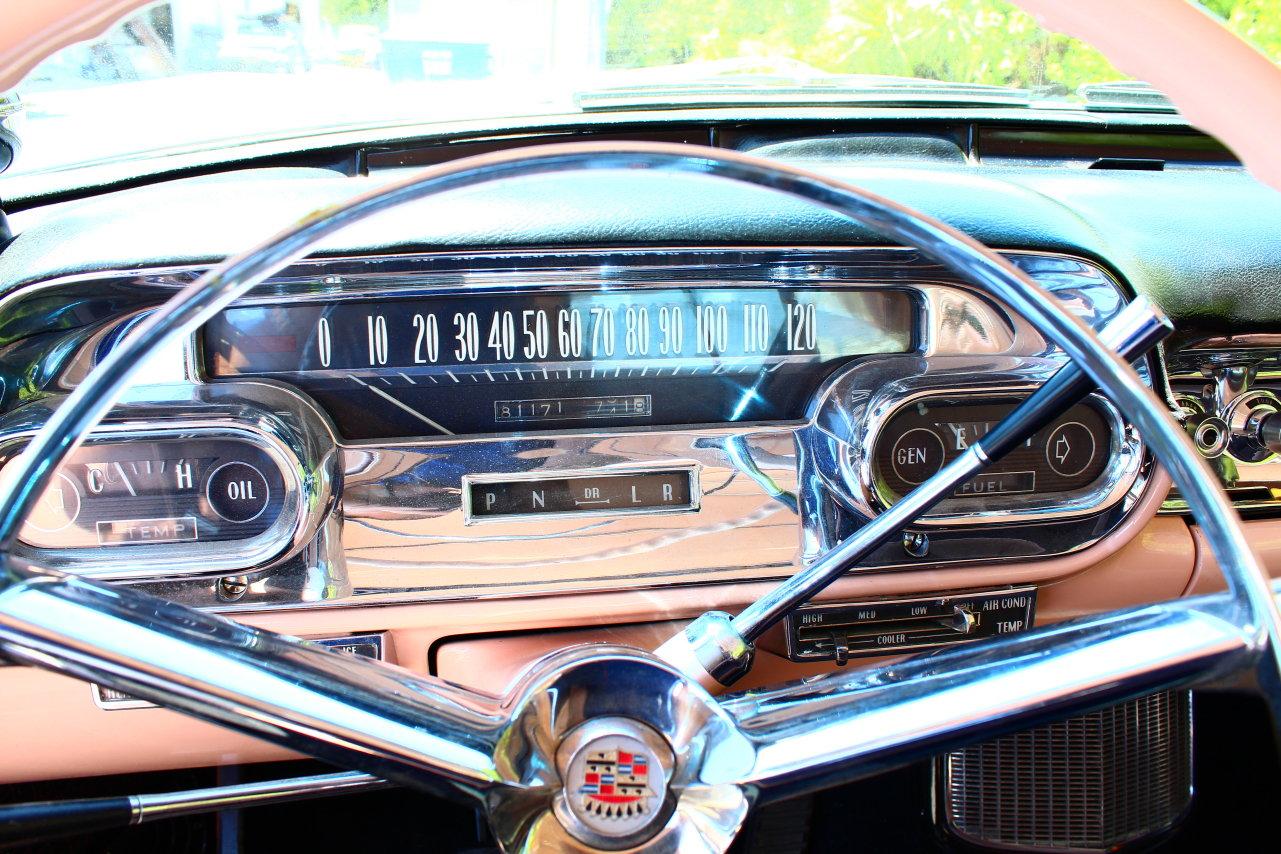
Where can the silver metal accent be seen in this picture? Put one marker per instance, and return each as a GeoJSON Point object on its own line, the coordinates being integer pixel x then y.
{"type": "Point", "coordinates": [406, 539]}
{"type": "Point", "coordinates": [1095, 782]}
{"type": "Point", "coordinates": [957, 321]}
{"type": "Point", "coordinates": [963, 620]}
{"type": "Point", "coordinates": [421, 732]}
{"type": "Point", "coordinates": [110, 700]}
{"type": "Point", "coordinates": [1242, 416]}
{"type": "Point", "coordinates": [153, 807]}
{"type": "Point", "coordinates": [337, 642]}
{"type": "Point", "coordinates": [1210, 434]}
{"type": "Point", "coordinates": [270, 417]}
{"type": "Point", "coordinates": [716, 646]}
{"type": "Point", "coordinates": [1119, 479]}
{"type": "Point", "coordinates": [560, 705]}
{"type": "Point", "coordinates": [691, 471]}
{"type": "Point", "coordinates": [1244, 456]}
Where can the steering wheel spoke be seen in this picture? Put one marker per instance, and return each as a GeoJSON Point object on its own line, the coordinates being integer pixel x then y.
{"type": "Point", "coordinates": [810, 735]}
{"type": "Point", "coordinates": [717, 650]}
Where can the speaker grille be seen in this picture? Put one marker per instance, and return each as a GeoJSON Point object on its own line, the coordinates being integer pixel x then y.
{"type": "Point", "coordinates": [1089, 783]}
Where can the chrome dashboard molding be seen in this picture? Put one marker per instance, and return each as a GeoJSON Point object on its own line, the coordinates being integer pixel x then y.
{"type": "Point", "coordinates": [273, 418]}
{"type": "Point", "coordinates": [958, 322]}
{"type": "Point", "coordinates": [405, 532]}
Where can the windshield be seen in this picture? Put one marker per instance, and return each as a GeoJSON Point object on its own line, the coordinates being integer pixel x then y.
{"type": "Point", "coordinates": [205, 73]}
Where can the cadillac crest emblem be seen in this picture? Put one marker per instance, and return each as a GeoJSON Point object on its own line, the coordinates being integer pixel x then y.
{"type": "Point", "coordinates": [615, 783]}
{"type": "Point", "coordinates": [615, 780]}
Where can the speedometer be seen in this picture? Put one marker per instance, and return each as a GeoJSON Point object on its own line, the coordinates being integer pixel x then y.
{"type": "Point", "coordinates": [479, 362]}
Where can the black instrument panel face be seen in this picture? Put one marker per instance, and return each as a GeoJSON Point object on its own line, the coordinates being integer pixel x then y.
{"type": "Point", "coordinates": [138, 492]}
{"type": "Point", "coordinates": [484, 362]}
{"type": "Point", "coordinates": [1068, 454]}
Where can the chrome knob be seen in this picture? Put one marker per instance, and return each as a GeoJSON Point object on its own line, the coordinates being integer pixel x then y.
{"type": "Point", "coordinates": [1210, 434]}
{"type": "Point", "coordinates": [963, 620]}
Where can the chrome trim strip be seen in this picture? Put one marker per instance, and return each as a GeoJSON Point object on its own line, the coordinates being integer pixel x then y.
{"type": "Point", "coordinates": [153, 807]}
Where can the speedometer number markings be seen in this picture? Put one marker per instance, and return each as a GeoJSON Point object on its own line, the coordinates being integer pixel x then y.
{"type": "Point", "coordinates": [426, 341]}
{"type": "Point", "coordinates": [377, 339]}
{"type": "Point", "coordinates": [624, 355]}
{"type": "Point", "coordinates": [467, 334]}
{"type": "Point", "coordinates": [324, 342]}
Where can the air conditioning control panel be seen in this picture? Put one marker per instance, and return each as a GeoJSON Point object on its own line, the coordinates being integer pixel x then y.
{"type": "Point", "coordinates": [839, 632]}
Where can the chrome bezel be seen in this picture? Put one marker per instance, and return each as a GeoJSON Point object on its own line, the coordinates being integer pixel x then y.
{"type": "Point", "coordinates": [185, 557]}
{"type": "Point", "coordinates": [254, 413]}
{"type": "Point", "coordinates": [1125, 458]}
{"type": "Point", "coordinates": [691, 470]}
{"type": "Point", "coordinates": [107, 704]}
{"type": "Point", "coordinates": [796, 654]}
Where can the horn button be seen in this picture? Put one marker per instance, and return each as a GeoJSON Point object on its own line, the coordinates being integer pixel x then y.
{"type": "Point", "coordinates": [616, 773]}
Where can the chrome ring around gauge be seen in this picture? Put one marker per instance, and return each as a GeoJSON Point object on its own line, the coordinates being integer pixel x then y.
{"type": "Point", "coordinates": [1064, 471]}
{"type": "Point", "coordinates": [749, 748]}
{"type": "Point", "coordinates": [182, 481]}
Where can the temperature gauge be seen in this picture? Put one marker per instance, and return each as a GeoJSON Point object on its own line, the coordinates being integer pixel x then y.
{"type": "Point", "coordinates": [151, 491]}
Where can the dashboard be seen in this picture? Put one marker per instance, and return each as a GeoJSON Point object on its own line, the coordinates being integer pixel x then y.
{"type": "Point", "coordinates": [467, 435]}
{"type": "Point", "coordinates": [423, 421]}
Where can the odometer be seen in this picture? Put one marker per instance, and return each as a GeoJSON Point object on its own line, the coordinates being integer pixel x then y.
{"type": "Point", "coordinates": [478, 362]}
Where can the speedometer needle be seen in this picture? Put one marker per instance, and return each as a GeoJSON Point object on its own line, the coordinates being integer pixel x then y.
{"type": "Point", "coordinates": [406, 407]}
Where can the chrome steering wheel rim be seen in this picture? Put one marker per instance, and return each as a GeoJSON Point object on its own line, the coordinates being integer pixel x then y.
{"type": "Point", "coordinates": [450, 741]}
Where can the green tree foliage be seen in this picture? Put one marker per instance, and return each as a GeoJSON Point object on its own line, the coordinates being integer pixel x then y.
{"type": "Point", "coordinates": [971, 41]}
{"type": "Point", "coordinates": [974, 41]}
{"type": "Point", "coordinates": [1256, 21]}
{"type": "Point", "coordinates": [338, 12]}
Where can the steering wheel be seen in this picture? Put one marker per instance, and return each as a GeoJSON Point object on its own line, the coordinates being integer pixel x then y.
{"type": "Point", "coordinates": [698, 762]}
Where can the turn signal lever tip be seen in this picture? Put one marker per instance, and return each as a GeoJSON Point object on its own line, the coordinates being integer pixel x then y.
{"type": "Point", "coordinates": [1268, 431]}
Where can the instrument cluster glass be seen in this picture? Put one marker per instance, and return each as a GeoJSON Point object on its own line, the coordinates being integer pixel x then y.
{"type": "Point", "coordinates": [478, 362]}
{"type": "Point", "coordinates": [1070, 453]}
{"type": "Point", "coordinates": [139, 491]}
